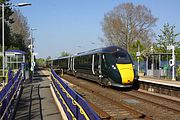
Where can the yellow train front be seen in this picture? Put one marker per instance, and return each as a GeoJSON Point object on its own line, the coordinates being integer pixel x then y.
{"type": "Point", "coordinates": [118, 68]}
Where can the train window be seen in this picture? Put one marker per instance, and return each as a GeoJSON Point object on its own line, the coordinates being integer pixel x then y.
{"type": "Point", "coordinates": [89, 59]}
{"type": "Point", "coordinates": [121, 57]}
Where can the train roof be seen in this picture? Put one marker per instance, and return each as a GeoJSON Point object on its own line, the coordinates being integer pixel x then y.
{"type": "Point", "coordinates": [109, 49]}
{"type": "Point", "coordinates": [64, 57]}
{"type": "Point", "coordinates": [61, 58]}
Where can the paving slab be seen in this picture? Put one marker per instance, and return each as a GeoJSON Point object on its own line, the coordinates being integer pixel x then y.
{"type": "Point", "coordinates": [36, 102]}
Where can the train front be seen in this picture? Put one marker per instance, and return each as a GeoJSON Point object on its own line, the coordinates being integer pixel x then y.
{"type": "Point", "coordinates": [122, 71]}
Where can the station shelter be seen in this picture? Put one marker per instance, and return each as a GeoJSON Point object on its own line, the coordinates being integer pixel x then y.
{"type": "Point", "coordinates": [157, 65]}
{"type": "Point", "coordinates": [14, 59]}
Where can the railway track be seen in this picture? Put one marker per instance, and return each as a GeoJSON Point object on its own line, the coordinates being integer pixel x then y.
{"type": "Point", "coordinates": [114, 109]}
{"type": "Point", "coordinates": [163, 102]}
{"type": "Point", "coordinates": [117, 104]}
{"type": "Point", "coordinates": [156, 106]}
{"type": "Point", "coordinates": [106, 107]}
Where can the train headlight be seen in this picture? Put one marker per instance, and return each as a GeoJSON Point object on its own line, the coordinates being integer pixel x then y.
{"type": "Point", "coordinates": [114, 67]}
{"type": "Point", "coordinates": [134, 67]}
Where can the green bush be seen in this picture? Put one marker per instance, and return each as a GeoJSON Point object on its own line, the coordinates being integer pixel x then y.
{"type": "Point", "coordinates": [178, 70]}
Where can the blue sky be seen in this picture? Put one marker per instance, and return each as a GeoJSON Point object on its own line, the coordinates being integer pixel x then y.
{"type": "Point", "coordinates": [73, 25]}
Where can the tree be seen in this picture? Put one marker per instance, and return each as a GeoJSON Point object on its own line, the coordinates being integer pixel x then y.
{"type": "Point", "coordinates": [48, 58]}
{"type": "Point", "coordinates": [20, 28]}
{"type": "Point", "coordinates": [16, 29]}
{"type": "Point", "coordinates": [137, 46]}
{"type": "Point", "coordinates": [126, 24]}
{"type": "Point", "coordinates": [168, 37]}
{"type": "Point", "coordinates": [41, 62]}
{"type": "Point", "coordinates": [63, 54]}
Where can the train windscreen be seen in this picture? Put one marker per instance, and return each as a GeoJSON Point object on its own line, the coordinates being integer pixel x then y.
{"type": "Point", "coordinates": [121, 57]}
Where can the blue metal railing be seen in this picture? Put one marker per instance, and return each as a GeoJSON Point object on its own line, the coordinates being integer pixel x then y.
{"type": "Point", "coordinates": [75, 107]}
{"type": "Point", "coordinates": [8, 93]}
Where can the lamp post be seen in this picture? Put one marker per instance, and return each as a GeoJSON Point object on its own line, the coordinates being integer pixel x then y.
{"type": "Point", "coordinates": [32, 52]}
{"type": "Point", "coordinates": [3, 5]}
{"type": "Point", "coordinates": [3, 38]}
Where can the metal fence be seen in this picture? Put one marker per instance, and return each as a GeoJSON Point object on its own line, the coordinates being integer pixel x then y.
{"type": "Point", "coordinates": [75, 107]}
{"type": "Point", "coordinates": [8, 94]}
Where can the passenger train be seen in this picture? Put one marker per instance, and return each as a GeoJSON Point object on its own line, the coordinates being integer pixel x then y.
{"type": "Point", "coordinates": [109, 66]}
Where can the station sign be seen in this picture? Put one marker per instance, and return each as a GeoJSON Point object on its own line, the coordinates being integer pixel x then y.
{"type": "Point", "coordinates": [170, 47]}
{"type": "Point", "coordinates": [171, 62]}
{"type": "Point", "coordinates": [138, 54]}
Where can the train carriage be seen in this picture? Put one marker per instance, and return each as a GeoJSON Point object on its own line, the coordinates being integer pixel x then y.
{"type": "Point", "coordinates": [109, 66]}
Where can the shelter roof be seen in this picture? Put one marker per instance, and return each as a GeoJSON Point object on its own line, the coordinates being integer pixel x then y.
{"type": "Point", "coordinates": [15, 51]}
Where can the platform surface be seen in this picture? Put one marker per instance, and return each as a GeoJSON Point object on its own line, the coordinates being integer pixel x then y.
{"type": "Point", "coordinates": [37, 102]}
{"type": "Point", "coordinates": [167, 82]}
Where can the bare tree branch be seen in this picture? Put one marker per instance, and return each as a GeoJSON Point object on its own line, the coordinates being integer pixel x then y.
{"type": "Point", "coordinates": [127, 23]}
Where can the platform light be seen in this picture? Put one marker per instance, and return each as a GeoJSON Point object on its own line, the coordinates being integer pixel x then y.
{"type": "Point", "coordinates": [22, 4]}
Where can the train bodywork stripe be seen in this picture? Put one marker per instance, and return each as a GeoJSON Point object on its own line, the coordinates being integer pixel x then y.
{"type": "Point", "coordinates": [126, 72]}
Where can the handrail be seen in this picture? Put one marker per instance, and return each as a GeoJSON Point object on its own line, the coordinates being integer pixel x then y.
{"type": "Point", "coordinates": [7, 75]}
{"type": "Point", "coordinates": [74, 102]}
{"type": "Point", "coordinates": [12, 98]}
{"type": "Point", "coordinates": [16, 84]}
{"type": "Point", "coordinates": [68, 109]}
{"type": "Point", "coordinates": [9, 91]}
{"type": "Point", "coordinates": [78, 106]}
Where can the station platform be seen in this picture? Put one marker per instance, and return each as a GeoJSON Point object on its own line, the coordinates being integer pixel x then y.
{"type": "Point", "coordinates": [161, 86]}
{"type": "Point", "coordinates": [166, 82]}
{"type": "Point", "coordinates": [36, 101]}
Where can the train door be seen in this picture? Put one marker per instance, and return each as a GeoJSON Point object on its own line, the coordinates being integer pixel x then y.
{"type": "Point", "coordinates": [71, 64]}
{"type": "Point", "coordinates": [104, 71]}
{"type": "Point", "coordinates": [100, 64]}
{"type": "Point", "coordinates": [93, 64]}
{"type": "Point", "coordinates": [104, 67]}
{"type": "Point", "coordinates": [96, 64]}
{"type": "Point", "coordinates": [99, 70]}
{"type": "Point", "coordinates": [69, 61]}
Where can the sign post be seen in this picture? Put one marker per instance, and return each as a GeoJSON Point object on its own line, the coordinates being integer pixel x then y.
{"type": "Point", "coordinates": [172, 61]}
{"type": "Point", "coordinates": [138, 55]}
